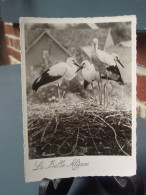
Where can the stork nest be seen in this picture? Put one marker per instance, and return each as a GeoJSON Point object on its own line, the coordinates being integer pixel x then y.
{"type": "Point", "coordinates": [79, 128]}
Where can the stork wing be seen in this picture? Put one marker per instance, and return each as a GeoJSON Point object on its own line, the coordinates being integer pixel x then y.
{"type": "Point", "coordinates": [54, 73]}
{"type": "Point", "coordinates": [105, 58]}
{"type": "Point", "coordinates": [86, 83]}
{"type": "Point", "coordinates": [58, 69]}
{"type": "Point", "coordinates": [113, 73]}
{"type": "Point", "coordinates": [98, 64]}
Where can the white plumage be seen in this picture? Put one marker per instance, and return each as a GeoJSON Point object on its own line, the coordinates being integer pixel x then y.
{"type": "Point", "coordinates": [101, 59]}
{"type": "Point", "coordinates": [90, 75]}
{"type": "Point", "coordinates": [106, 64]}
{"type": "Point", "coordinates": [56, 74]}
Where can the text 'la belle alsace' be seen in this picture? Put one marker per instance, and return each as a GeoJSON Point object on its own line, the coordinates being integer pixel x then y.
{"type": "Point", "coordinates": [74, 165]}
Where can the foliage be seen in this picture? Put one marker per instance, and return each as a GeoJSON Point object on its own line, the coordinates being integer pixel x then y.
{"type": "Point", "coordinates": [79, 35]}
{"type": "Point", "coordinates": [121, 31]}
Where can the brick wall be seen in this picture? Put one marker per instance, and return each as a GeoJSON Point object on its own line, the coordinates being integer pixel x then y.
{"type": "Point", "coordinates": [141, 87]}
{"type": "Point", "coordinates": [141, 74]}
{"type": "Point", "coordinates": [12, 37]}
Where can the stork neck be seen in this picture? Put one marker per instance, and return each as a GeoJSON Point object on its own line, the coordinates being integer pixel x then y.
{"type": "Point", "coordinates": [94, 48]}
{"type": "Point", "coordinates": [73, 67]}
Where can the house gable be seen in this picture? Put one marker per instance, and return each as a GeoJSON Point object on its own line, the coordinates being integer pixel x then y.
{"type": "Point", "coordinates": [46, 32]}
{"type": "Point", "coordinates": [44, 46]}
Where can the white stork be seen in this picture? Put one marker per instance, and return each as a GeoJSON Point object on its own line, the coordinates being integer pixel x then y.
{"type": "Point", "coordinates": [56, 74]}
{"type": "Point", "coordinates": [104, 58]}
{"type": "Point", "coordinates": [90, 75]}
{"type": "Point", "coordinates": [106, 64]}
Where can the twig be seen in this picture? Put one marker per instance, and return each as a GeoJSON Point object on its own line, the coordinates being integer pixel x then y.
{"type": "Point", "coordinates": [55, 130]}
{"type": "Point", "coordinates": [68, 119]}
{"type": "Point", "coordinates": [92, 138]}
{"type": "Point", "coordinates": [57, 123]}
{"type": "Point", "coordinates": [126, 126]}
{"type": "Point", "coordinates": [114, 134]}
{"type": "Point", "coordinates": [34, 135]}
{"type": "Point", "coordinates": [44, 131]}
{"type": "Point", "coordinates": [73, 148]}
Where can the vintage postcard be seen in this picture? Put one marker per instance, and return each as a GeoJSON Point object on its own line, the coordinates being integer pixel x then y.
{"type": "Point", "coordinates": [79, 96]}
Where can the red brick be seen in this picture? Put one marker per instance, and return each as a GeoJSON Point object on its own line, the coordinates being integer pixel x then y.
{"type": "Point", "coordinates": [17, 44]}
{"type": "Point", "coordinates": [17, 31]}
{"type": "Point", "coordinates": [141, 88]}
{"type": "Point", "coordinates": [17, 55]}
{"type": "Point", "coordinates": [141, 49]}
{"type": "Point", "coordinates": [8, 29]}
{"type": "Point", "coordinates": [9, 50]}
{"type": "Point", "coordinates": [12, 42]}
{"type": "Point", "coordinates": [7, 40]}
{"type": "Point", "coordinates": [14, 53]}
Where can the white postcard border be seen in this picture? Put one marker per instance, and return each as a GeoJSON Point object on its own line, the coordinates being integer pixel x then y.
{"type": "Point", "coordinates": [85, 165]}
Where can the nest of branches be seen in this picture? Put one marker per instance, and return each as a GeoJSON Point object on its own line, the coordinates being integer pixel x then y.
{"type": "Point", "coordinates": [79, 128]}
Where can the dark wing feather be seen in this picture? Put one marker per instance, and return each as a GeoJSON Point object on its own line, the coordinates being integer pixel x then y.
{"type": "Point", "coordinates": [114, 74]}
{"type": "Point", "coordinates": [86, 83]}
{"type": "Point", "coordinates": [45, 78]}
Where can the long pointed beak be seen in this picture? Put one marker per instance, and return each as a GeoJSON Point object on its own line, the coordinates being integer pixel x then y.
{"type": "Point", "coordinates": [80, 67]}
{"type": "Point", "coordinates": [120, 63]}
{"type": "Point", "coordinates": [76, 64]}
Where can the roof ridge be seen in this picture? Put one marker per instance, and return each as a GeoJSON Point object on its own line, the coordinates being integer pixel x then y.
{"type": "Point", "coordinates": [47, 31]}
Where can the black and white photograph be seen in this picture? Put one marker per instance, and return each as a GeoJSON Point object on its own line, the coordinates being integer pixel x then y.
{"type": "Point", "coordinates": [79, 96]}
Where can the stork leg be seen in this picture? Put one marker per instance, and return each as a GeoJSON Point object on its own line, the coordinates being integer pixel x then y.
{"type": "Point", "coordinates": [93, 92]}
{"type": "Point", "coordinates": [122, 91]}
{"type": "Point", "coordinates": [111, 91]}
{"type": "Point", "coordinates": [105, 92]}
{"type": "Point", "coordinates": [100, 90]}
{"type": "Point", "coordinates": [59, 97]}
{"type": "Point", "coordinates": [100, 94]}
